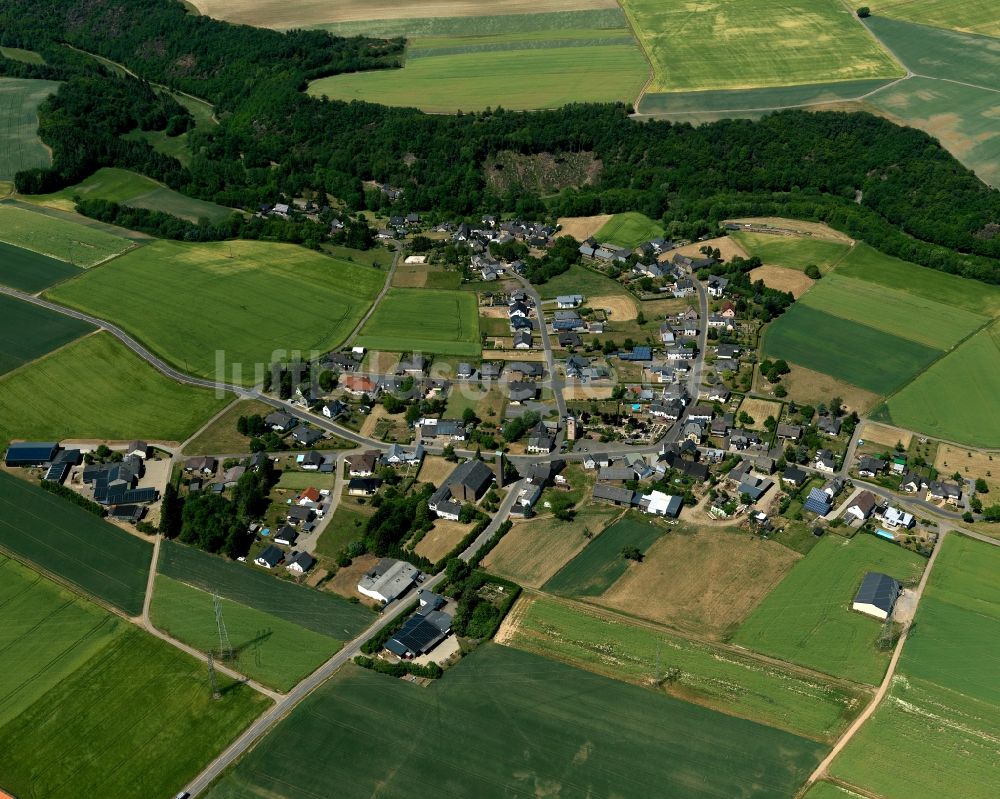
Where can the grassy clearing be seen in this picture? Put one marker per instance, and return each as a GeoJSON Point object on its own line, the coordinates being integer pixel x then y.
{"type": "Point", "coordinates": [711, 675]}
{"type": "Point", "coordinates": [266, 648]}
{"type": "Point", "coordinates": [80, 245]}
{"type": "Point", "coordinates": [28, 271]}
{"type": "Point", "coordinates": [581, 280]}
{"type": "Point", "coordinates": [24, 56]}
{"type": "Point", "coordinates": [972, 16]}
{"type": "Point", "coordinates": [221, 437]}
{"type": "Point", "coordinates": [346, 527]}
{"type": "Point", "coordinates": [190, 301]}
{"type": "Point", "coordinates": [20, 147]}
{"type": "Point", "coordinates": [114, 395]}
{"type": "Point", "coordinates": [64, 540]}
{"type": "Point", "coordinates": [956, 398]}
{"type": "Point", "coordinates": [848, 351]}
{"type": "Point", "coordinates": [629, 230]}
{"type": "Point", "coordinates": [28, 332]}
{"type": "Point", "coordinates": [322, 613]}
{"type": "Point", "coordinates": [573, 732]}
{"type": "Point", "coordinates": [720, 45]}
{"type": "Point", "coordinates": [424, 320]}
{"type": "Point", "coordinates": [792, 252]}
{"type": "Point", "coordinates": [136, 191]}
{"type": "Point", "coordinates": [944, 706]}
{"type": "Point", "coordinates": [807, 619]}
{"type": "Point", "coordinates": [600, 564]}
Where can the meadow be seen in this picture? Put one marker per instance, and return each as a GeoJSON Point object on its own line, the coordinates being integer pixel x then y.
{"type": "Point", "coordinates": [424, 320]}
{"type": "Point", "coordinates": [243, 299]}
{"type": "Point", "coordinates": [944, 706]}
{"type": "Point", "coordinates": [74, 545]}
{"type": "Point", "coordinates": [28, 332]}
{"type": "Point", "coordinates": [222, 436]}
{"type": "Point", "coordinates": [80, 245]}
{"type": "Point", "coordinates": [144, 709]}
{"type": "Point", "coordinates": [970, 16]}
{"type": "Point", "coordinates": [793, 252]}
{"type": "Point", "coordinates": [629, 230]}
{"type": "Point", "coordinates": [575, 733]}
{"type": "Point", "coordinates": [314, 610]}
{"type": "Point", "coordinates": [20, 147]}
{"type": "Point", "coordinates": [24, 56]}
{"type": "Point", "coordinates": [600, 564]}
{"type": "Point", "coordinates": [136, 191]}
{"type": "Point", "coordinates": [723, 45]}
{"type": "Point", "coordinates": [581, 280]}
{"type": "Point", "coordinates": [855, 353]}
{"type": "Point", "coordinates": [713, 675]}
{"type": "Point", "coordinates": [265, 647]}
{"type": "Point", "coordinates": [956, 398]}
{"type": "Point", "coordinates": [29, 271]}
{"type": "Point", "coordinates": [112, 394]}
{"type": "Point", "coordinates": [808, 619]}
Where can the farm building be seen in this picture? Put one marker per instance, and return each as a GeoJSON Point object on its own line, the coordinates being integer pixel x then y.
{"type": "Point", "coordinates": [660, 504]}
{"type": "Point", "coordinates": [420, 633]}
{"type": "Point", "coordinates": [467, 483]}
{"type": "Point", "coordinates": [388, 580]}
{"type": "Point", "coordinates": [31, 453]}
{"type": "Point", "coordinates": [877, 595]}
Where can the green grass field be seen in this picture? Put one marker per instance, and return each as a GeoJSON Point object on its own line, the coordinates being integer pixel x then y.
{"type": "Point", "coordinates": [894, 311]}
{"type": "Point", "coordinates": [28, 271]}
{"type": "Point", "coordinates": [74, 673]}
{"type": "Point", "coordinates": [724, 45]}
{"type": "Point", "coordinates": [581, 280]}
{"type": "Point", "coordinates": [565, 732]}
{"type": "Point", "coordinates": [629, 230]}
{"type": "Point", "coordinates": [24, 56]}
{"type": "Point", "coordinates": [970, 16]}
{"type": "Point", "coordinates": [114, 395]}
{"type": "Point", "coordinates": [241, 299]}
{"type": "Point", "coordinates": [20, 147]}
{"type": "Point", "coordinates": [828, 790]}
{"type": "Point", "coordinates": [808, 619]}
{"type": "Point", "coordinates": [424, 320]}
{"type": "Point", "coordinates": [531, 24]}
{"type": "Point", "coordinates": [714, 676]}
{"type": "Point", "coordinates": [137, 191]}
{"type": "Point", "coordinates": [267, 648]}
{"type": "Point", "coordinates": [80, 245]}
{"type": "Point", "coordinates": [944, 705]}
{"type": "Point", "coordinates": [855, 353]}
{"type": "Point", "coordinates": [74, 545]}
{"type": "Point", "coordinates": [221, 436]}
{"type": "Point", "coordinates": [600, 564]}
{"type": "Point", "coordinates": [956, 398]}
{"type": "Point", "coordinates": [791, 251]}
{"type": "Point", "coordinates": [28, 332]}
{"type": "Point", "coordinates": [318, 611]}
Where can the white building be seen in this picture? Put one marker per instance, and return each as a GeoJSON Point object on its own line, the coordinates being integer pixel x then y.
{"type": "Point", "coordinates": [389, 580]}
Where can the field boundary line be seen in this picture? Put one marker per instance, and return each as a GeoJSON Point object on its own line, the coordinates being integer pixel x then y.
{"type": "Point", "coordinates": [882, 45]}
{"type": "Point", "coordinates": [651, 75]}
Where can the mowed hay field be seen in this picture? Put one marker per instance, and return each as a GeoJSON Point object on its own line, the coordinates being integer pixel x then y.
{"type": "Point", "coordinates": [266, 647]}
{"type": "Point", "coordinates": [28, 332]}
{"type": "Point", "coordinates": [80, 245]}
{"type": "Point", "coordinates": [243, 299]}
{"type": "Point", "coordinates": [974, 16]}
{"type": "Point", "coordinates": [704, 582]}
{"type": "Point", "coordinates": [808, 619]}
{"type": "Point", "coordinates": [944, 704]}
{"type": "Point", "coordinates": [792, 252]}
{"type": "Point", "coordinates": [713, 675]}
{"type": "Point", "coordinates": [424, 320]}
{"type": "Point", "coordinates": [629, 230]}
{"type": "Point", "coordinates": [74, 545]}
{"type": "Point", "coordinates": [74, 673]}
{"type": "Point", "coordinates": [29, 271]}
{"type": "Point", "coordinates": [20, 147]}
{"type": "Point", "coordinates": [782, 279]}
{"type": "Point", "coordinates": [565, 732]}
{"type": "Point", "coordinates": [723, 44]}
{"type": "Point", "coordinates": [96, 388]}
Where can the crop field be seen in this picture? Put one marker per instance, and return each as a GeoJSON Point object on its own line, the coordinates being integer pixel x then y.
{"type": "Point", "coordinates": [136, 191]}
{"type": "Point", "coordinates": [266, 647]}
{"type": "Point", "coordinates": [943, 706]}
{"type": "Point", "coordinates": [314, 610]}
{"type": "Point", "coordinates": [80, 245]}
{"type": "Point", "coordinates": [424, 320]}
{"type": "Point", "coordinates": [829, 790]}
{"type": "Point", "coordinates": [792, 252]}
{"type": "Point", "coordinates": [195, 303]}
{"type": "Point", "coordinates": [28, 332]}
{"type": "Point", "coordinates": [581, 280]}
{"type": "Point", "coordinates": [575, 733]}
{"type": "Point", "coordinates": [974, 16]}
{"type": "Point", "coordinates": [629, 230]}
{"type": "Point", "coordinates": [72, 544]}
{"type": "Point", "coordinates": [956, 398]}
{"type": "Point", "coordinates": [808, 619]}
{"type": "Point", "coordinates": [29, 271]}
{"type": "Point", "coordinates": [20, 147]}
{"type": "Point", "coordinates": [114, 395]}
{"type": "Point", "coordinates": [600, 564]}
{"type": "Point", "coordinates": [722, 45]}
{"type": "Point", "coordinates": [857, 354]}
{"type": "Point", "coordinates": [713, 675]}
{"type": "Point", "coordinates": [143, 708]}
{"type": "Point", "coordinates": [894, 311]}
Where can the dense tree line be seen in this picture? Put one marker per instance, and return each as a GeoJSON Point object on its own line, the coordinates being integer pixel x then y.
{"type": "Point", "coordinates": [69, 494]}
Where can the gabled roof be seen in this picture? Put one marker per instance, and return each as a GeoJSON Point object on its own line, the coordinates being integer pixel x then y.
{"type": "Point", "coordinates": [879, 590]}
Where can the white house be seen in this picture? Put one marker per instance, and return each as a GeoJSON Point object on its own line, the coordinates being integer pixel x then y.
{"type": "Point", "coordinates": [569, 301]}
{"type": "Point", "coordinates": [894, 517]}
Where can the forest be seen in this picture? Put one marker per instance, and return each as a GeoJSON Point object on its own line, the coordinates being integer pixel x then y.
{"type": "Point", "coordinates": [916, 201]}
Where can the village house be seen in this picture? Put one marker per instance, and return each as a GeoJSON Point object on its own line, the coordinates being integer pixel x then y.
{"type": "Point", "coordinates": [300, 562]}
{"type": "Point", "coordinates": [862, 506]}
{"type": "Point", "coordinates": [938, 491]}
{"type": "Point", "coordinates": [359, 385]}
{"type": "Point", "coordinates": [522, 340]}
{"type": "Point", "coordinates": [869, 466]}
{"type": "Point", "coordinates": [363, 486]}
{"type": "Point", "coordinates": [362, 464]}
{"type": "Point", "coordinates": [280, 422]}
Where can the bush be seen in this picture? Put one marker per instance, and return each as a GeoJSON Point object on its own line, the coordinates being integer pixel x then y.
{"type": "Point", "coordinates": [433, 670]}
{"type": "Point", "coordinates": [69, 494]}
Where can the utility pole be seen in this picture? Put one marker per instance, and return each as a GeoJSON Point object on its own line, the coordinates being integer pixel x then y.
{"type": "Point", "coordinates": [213, 679]}
{"type": "Point", "coordinates": [225, 647]}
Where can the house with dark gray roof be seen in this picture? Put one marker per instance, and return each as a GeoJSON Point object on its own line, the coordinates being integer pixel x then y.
{"type": "Point", "coordinates": [467, 483]}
